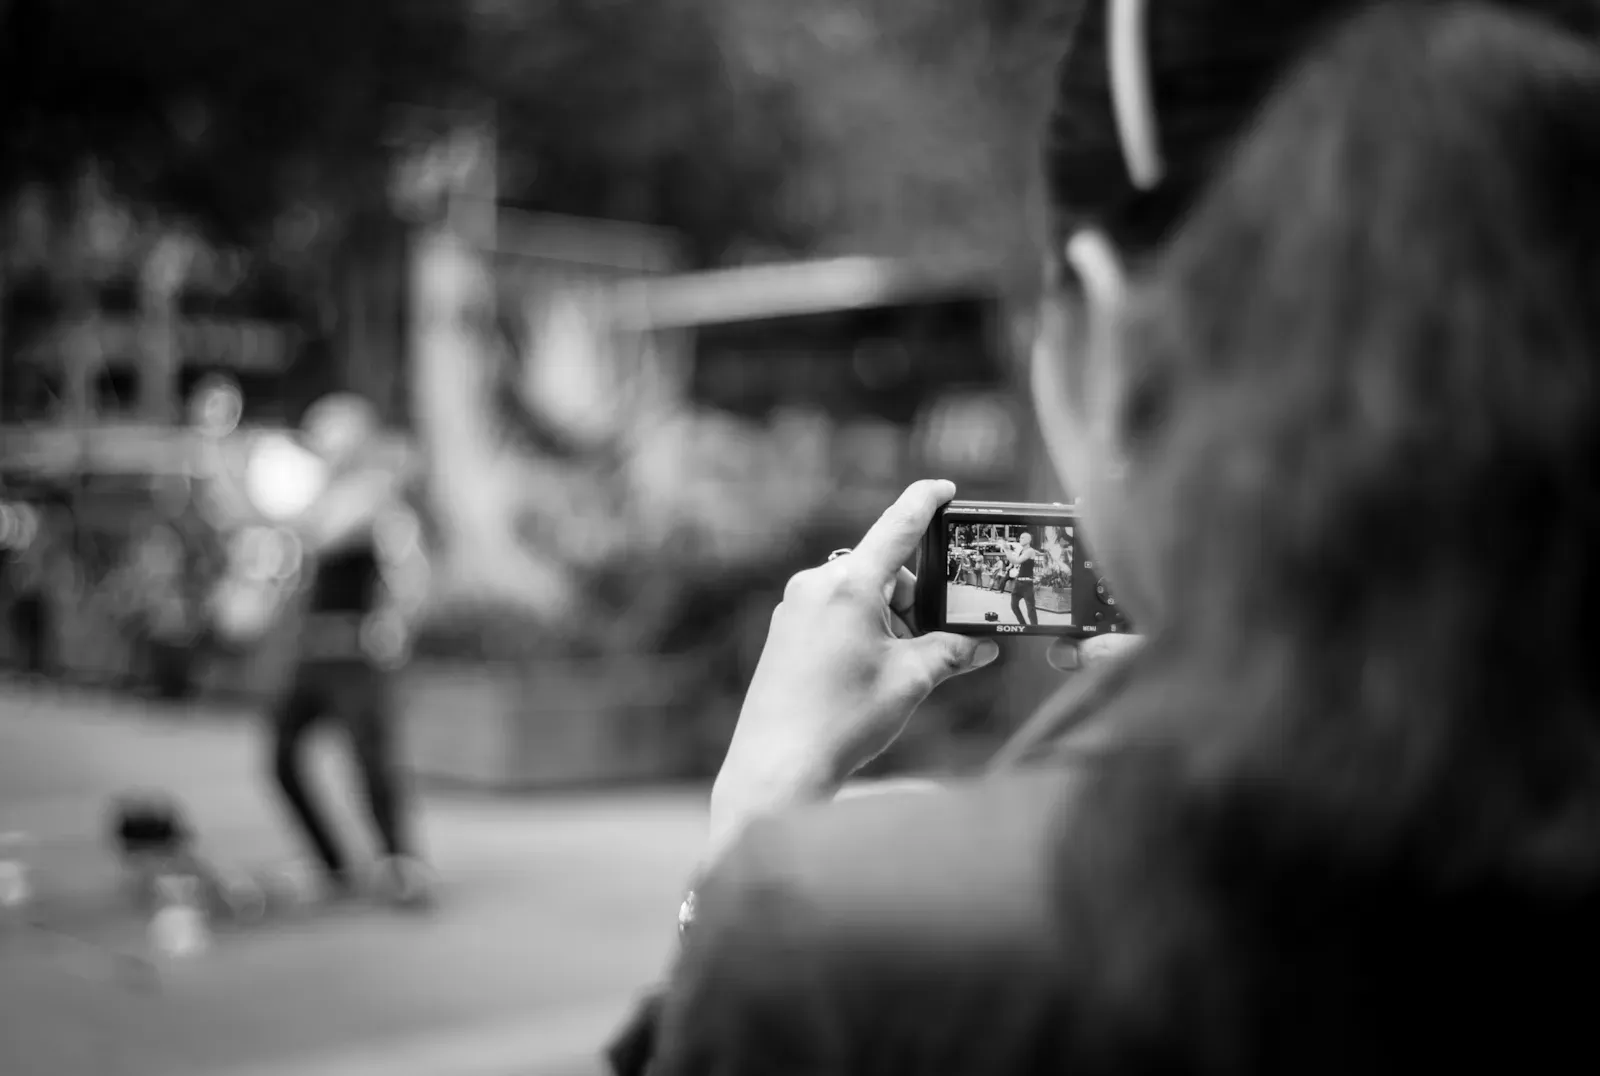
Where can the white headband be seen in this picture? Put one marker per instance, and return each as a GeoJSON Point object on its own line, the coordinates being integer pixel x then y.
{"type": "Point", "coordinates": [1132, 98]}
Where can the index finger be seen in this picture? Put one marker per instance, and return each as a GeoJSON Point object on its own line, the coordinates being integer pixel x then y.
{"type": "Point", "coordinates": [895, 536]}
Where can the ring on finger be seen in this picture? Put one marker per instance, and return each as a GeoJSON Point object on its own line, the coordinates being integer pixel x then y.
{"type": "Point", "coordinates": [837, 553]}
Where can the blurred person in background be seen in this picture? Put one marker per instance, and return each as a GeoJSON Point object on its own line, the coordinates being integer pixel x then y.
{"type": "Point", "coordinates": [154, 595]}
{"type": "Point", "coordinates": [1336, 439]}
{"type": "Point", "coordinates": [352, 637]}
{"type": "Point", "coordinates": [971, 567]}
{"type": "Point", "coordinates": [28, 601]}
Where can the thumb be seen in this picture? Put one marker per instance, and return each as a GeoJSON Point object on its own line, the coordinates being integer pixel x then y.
{"type": "Point", "coordinates": [931, 659]}
{"type": "Point", "coordinates": [1070, 655]}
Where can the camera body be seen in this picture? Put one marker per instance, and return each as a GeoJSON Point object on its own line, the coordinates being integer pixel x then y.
{"type": "Point", "coordinates": [1009, 568]}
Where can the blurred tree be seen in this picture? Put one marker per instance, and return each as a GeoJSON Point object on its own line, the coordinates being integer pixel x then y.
{"type": "Point", "coordinates": [762, 128]}
{"type": "Point", "coordinates": [261, 125]}
{"type": "Point", "coordinates": [919, 116]}
{"type": "Point", "coordinates": [232, 116]}
{"type": "Point", "coordinates": [270, 123]}
{"type": "Point", "coordinates": [635, 110]}
{"type": "Point", "coordinates": [765, 125]}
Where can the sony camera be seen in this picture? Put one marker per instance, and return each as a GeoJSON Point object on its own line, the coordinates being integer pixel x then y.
{"type": "Point", "coordinates": [1001, 568]}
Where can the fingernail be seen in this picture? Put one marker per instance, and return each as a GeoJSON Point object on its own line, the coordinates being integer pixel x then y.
{"type": "Point", "coordinates": [986, 652]}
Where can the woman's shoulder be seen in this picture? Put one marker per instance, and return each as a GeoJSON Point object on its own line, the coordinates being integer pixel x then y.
{"type": "Point", "coordinates": [868, 915]}
{"type": "Point", "coordinates": [971, 859]}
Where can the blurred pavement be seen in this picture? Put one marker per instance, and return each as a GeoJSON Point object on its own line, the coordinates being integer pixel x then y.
{"type": "Point", "coordinates": [555, 911]}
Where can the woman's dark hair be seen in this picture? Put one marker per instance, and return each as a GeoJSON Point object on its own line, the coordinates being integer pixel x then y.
{"type": "Point", "coordinates": [1212, 64]}
{"type": "Point", "coordinates": [1370, 478]}
{"type": "Point", "coordinates": [1364, 478]}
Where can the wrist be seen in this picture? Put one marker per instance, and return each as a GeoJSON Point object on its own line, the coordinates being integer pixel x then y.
{"type": "Point", "coordinates": [748, 788]}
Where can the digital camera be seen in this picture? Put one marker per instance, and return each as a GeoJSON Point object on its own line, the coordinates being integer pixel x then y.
{"type": "Point", "coordinates": [1004, 568]}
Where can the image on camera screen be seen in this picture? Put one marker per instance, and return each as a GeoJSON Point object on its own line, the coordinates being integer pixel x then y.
{"type": "Point", "coordinates": [1008, 573]}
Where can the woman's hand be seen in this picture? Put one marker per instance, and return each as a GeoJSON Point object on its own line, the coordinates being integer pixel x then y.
{"type": "Point", "coordinates": [841, 672]}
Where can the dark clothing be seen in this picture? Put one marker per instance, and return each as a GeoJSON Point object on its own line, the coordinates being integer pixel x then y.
{"type": "Point", "coordinates": [165, 667]}
{"type": "Point", "coordinates": [347, 582]}
{"type": "Point", "coordinates": [334, 678]}
{"type": "Point", "coordinates": [355, 693]}
{"type": "Point", "coordinates": [31, 631]}
{"type": "Point", "coordinates": [1064, 728]}
{"type": "Point", "coordinates": [1104, 916]}
{"type": "Point", "coordinates": [1099, 906]}
{"type": "Point", "coordinates": [1022, 591]}
{"type": "Point", "coordinates": [908, 932]}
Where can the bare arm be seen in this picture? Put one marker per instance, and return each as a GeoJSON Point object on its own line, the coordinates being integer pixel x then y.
{"type": "Point", "coordinates": [1018, 555]}
{"type": "Point", "coordinates": [722, 840]}
{"type": "Point", "coordinates": [346, 511]}
{"type": "Point", "coordinates": [406, 571]}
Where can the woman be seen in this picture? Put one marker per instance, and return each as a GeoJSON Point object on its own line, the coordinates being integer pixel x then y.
{"type": "Point", "coordinates": [1336, 442]}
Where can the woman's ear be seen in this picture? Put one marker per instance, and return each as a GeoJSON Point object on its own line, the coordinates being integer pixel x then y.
{"type": "Point", "coordinates": [1074, 368]}
{"type": "Point", "coordinates": [1098, 266]}
{"type": "Point", "coordinates": [1095, 260]}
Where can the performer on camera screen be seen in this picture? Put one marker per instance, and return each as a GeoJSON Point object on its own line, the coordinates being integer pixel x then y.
{"type": "Point", "coordinates": [1024, 558]}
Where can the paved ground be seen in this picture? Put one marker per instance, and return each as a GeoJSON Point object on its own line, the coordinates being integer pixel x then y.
{"type": "Point", "coordinates": [555, 911]}
{"type": "Point", "coordinates": [967, 604]}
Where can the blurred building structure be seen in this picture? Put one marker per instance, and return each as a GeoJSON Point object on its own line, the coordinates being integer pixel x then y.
{"type": "Point", "coordinates": [638, 456]}
{"type": "Point", "coordinates": [628, 456]}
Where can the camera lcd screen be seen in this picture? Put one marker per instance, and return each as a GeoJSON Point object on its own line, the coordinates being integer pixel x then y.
{"type": "Point", "coordinates": [1004, 568]}
{"type": "Point", "coordinates": [1009, 573]}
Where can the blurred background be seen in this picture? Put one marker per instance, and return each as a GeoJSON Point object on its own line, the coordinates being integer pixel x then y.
{"type": "Point", "coordinates": [660, 300]}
